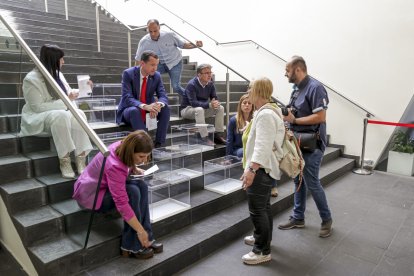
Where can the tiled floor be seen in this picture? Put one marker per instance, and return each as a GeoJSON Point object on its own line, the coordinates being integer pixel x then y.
{"type": "Point", "coordinates": [373, 235]}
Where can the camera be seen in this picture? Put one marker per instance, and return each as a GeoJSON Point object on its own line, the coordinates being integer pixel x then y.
{"type": "Point", "coordinates": [285, 110]}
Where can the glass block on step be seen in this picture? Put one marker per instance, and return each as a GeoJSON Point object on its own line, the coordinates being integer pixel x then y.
{"type": "Point", "coordinates": [178, 161]}
{"type": "Point", "coordinates": [98, 111]}
{"type": "Point", "coordinates": [174, 112]}
{"type": "Point", "coordinates": [193, 134]}
{"type": "Point", "coordinates": [222, 175]}
{"type": "Point", "coordinates": [112, 137]}
{"type": "Point", "coordinates": [166, 198]}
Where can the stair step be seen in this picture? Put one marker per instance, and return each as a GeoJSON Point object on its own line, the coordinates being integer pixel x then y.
{"type": "Point", "coordinates": [11, 105]}
{"type": "Point", "coordinates": [38, 223]}
{"type": "Point", "coordinates": [29, 25]}
{"type": "Point", "coordinates": [44, 162]}
{"type": "Point", "coordinates": [14, 168]}
{"type": "Point", "coordinates": [8, 90]}
{"type": "Point", "coordinates": [23, 194]}
{"type": "Point", "coordinates": [42, 18]}
{"type": "Point", "coordinates": [65, 255]}
{"type": "Point", "coordinates": [9, 145]}
{"type": "Point", "coordinates": [58, 188]}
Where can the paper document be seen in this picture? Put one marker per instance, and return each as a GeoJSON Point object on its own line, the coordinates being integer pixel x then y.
{"type": "Point", "coordinates": [147, 172]}
{"type": "Point", "coordinates": [150, 123]}
{"type": "Point", "coordinates": [85, 89]}
{"type": "Point", "coordinates": [151, 170]}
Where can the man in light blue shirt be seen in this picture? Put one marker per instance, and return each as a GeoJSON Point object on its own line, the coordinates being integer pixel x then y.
{"type": "Point", "coordinates": [165, 45]}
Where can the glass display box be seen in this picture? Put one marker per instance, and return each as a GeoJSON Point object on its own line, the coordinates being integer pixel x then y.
{"type": "Point", "coordinates": [107, 139]}
{"type": "Point", "coordinates": [99, 111]}
{"type": "Point", "coordinates": [222, 175]}
{"type": "Point", "coordinates": [174, 112]}
{"type": "Point", "coordinates": [201, 135]}
{"type": "Point", "coordinates": [178, 162]}
{"type": "Point", "coordinates": [112, 137]}
{"type": "Point", "coordinates": [165, 198]}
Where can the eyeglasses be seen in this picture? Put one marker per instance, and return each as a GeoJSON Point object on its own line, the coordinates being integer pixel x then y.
{"type": "Point", "coordinates": [206, 73]}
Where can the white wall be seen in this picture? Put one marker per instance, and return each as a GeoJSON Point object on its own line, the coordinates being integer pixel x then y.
{"type": "Point", "coordinates": [363, 49]}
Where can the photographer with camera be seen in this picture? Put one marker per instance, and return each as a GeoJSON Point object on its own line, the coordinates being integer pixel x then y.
{"type": "Point", "coordinates": [306, 114]}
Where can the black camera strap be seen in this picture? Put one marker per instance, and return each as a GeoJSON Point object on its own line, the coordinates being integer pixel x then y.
{"type": "Point", "coordinates": [293, 98]}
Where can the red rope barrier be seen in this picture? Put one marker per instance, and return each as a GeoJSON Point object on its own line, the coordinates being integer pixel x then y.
{"type": "Point", "coordinates": [390, 123]}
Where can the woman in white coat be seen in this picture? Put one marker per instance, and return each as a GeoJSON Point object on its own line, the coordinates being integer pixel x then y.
{"type": "Point", "coordinates": [44, 112]}
{"type": "Point", "coordinates": [262, 141]}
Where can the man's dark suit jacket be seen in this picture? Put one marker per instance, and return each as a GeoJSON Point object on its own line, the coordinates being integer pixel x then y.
{"type": "Point", "coordinates": [131, 79]}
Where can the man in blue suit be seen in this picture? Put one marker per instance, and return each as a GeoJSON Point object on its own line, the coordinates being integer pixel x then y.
{"type": "Point", "coordinates": [134, 105]}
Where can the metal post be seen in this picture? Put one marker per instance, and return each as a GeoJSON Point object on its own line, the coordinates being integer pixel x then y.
{"type": "Point", "coordinates": [228, 96]}
{"type": "Point", "coordinates": [46, 8]}
{"type": "Point", "coordinates": [66, 10]}
{"type": "Point", "coordinates": [129, 49]}
{"type": "Point", "coordinates": [94, 203]}
{"type": "Point", "coordinates": [98, 31]}
{"type": "Point", "coordinates": [361, 169]}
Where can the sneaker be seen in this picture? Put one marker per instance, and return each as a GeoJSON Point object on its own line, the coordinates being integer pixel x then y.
{"type": "Point", "coordinates": [274, 192]}
{"type": "Point", "coordinates": [252, 258]}
{"type": "Point", "coordinates": [249, 240]}
{"type": "Point", "coordinates": [292, 223]}
{"type": "Point", "coordinates": [326, 229]}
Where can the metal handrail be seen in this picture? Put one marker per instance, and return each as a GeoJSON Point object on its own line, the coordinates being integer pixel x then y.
{"type": "Point", "coordinates": [368, 113]}
{"type": "Point", "coordinates": [102, 148]}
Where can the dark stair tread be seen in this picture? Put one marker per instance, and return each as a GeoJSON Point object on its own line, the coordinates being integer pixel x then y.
{"type": "Point", "coordinates": [36, 216]}
{"type": "Point", "coordinates": [42, 154]}
{"type": "Point", "coordinates": [19, 186]}
{"type": "Point", "coordinates": [54, 249]}
{"type": "Point", "coordinates": [6, 160]}
{"type": "Point", "coordinates": [53, 179]}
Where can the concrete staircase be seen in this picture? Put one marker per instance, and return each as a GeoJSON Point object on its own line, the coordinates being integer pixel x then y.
{"type": "Point", "coordinates": [50, 224]}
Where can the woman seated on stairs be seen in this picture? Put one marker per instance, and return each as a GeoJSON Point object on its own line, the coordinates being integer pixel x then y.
{"type": "Point", "coordinates": [44, 112]}
{"type": "Point", "coordinates": [237, 125]}
{"type": "Point", "coordinates": [130, 197]}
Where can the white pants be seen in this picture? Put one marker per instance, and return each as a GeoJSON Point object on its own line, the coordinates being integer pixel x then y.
{"type": "Point", "coordinates": [67, 133]}
{"type": "Point", "coordinates": [200, 114]}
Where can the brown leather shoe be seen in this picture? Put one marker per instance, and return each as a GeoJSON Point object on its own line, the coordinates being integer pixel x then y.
{"type": "Point", "coordinates": [144, 253]}
{"type": "Point", "coordinates": [157, 247]}
{"type": "Point", "coordinates": [219, 140]}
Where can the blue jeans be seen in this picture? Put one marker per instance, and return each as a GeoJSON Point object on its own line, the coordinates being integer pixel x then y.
{"type": "Point", "coordinates": [175, 75]}
{"type": "Point", "coordinates": [258, 198]}
{"type": "Point", "coordinates": [132, 117]}
{"type": "Point", "coordinates": [238, 152]}
{"type": "Point", "coordinates": [311, 182]}
{"type": "Point", "coordinates": [137, 191]}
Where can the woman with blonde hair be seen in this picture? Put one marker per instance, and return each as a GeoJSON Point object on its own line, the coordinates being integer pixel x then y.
{"type": "Point", "coordinates": [262, 141]}
{"type": "Point", "coordinates": [237, 125]}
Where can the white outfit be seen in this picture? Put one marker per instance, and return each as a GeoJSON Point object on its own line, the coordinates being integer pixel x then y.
{"type": "Point", "coordinates": [264, 143]}
{"type": "Point", "coordinates": [41, 113]}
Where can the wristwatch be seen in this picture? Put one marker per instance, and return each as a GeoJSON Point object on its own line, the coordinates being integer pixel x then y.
{"type": "Point", "coordinates": [252, 170]}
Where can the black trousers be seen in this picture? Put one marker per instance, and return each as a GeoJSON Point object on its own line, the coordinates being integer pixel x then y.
{"type": "Point", "coordinates": [258, 196]}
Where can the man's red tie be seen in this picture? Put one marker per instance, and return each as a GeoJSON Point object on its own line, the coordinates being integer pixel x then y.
{"type": "Point", "coordinates": [143, 97]}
